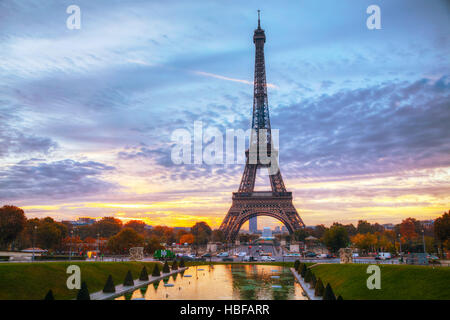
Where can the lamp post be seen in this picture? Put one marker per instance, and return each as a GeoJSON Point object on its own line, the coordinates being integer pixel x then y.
{"type": "Point", "coordinates": [423, 240]}
{"type": "Point", "coordinates": [400, 242]}
{"type": "Point", "coordinates": [34, 239]}
{"type": "Point", "coordinates": [98, 244]}
{"type": "Point", "coordinates": [70, 246]}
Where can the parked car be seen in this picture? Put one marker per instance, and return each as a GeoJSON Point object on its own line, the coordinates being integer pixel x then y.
{"type": "Point", "coordinates": [267, 258]}
{"type": "Point", "coordinates": [228, 259]}
{"type": "Point", "coordinates": [322, 256]}
{"type": "Point", "coordinates": [207, 255]}
{"type": "Point", "coordinates": [383, 256]}
{"type": "Point", "coordinates": [355, 255]}
{"type": "Point", "coordinates": [310, 255]}
{"type": "Point", "coordinates": [223, 254]}
{"type": "Point", "coordinates": [249, 258]}
{"type": "Point", "coordinates": [242, 254]}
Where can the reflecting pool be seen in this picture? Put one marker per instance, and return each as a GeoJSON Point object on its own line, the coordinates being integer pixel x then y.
{"type": "Point", "coordinates": [219, 282]}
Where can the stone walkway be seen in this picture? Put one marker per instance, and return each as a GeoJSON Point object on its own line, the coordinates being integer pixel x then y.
{"type": "Point", "coordinates": [305, 286]}
{"type": "Point", "coordinates": [121, 289]}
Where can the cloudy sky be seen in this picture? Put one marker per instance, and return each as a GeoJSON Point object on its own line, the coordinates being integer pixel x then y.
{"type": "Point", "coordinates": [86, 116]}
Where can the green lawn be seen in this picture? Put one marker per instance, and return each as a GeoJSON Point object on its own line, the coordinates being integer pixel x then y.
{"type": "Point", "coordinates": [397, 281]}
{"type": "Point", "coordinates": [29, 281]}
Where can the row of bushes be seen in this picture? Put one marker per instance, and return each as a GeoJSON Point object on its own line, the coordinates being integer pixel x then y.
{"type": "Point", "coordinates": [319, 290]}
{"type": "Point", "coordinates": [83, 293]}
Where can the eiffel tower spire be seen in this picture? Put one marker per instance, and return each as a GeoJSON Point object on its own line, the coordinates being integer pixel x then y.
{"type": "Point", "coordinates": [248, 204]}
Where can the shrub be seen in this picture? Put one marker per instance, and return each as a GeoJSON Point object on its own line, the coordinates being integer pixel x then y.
{"type": "Point", "coordinates": [182, 263]}
{"type": "Point", "coordinates": [313, 280]}
{"type": "Point", "coordinates": [144, 275]}
{"type": "Point", "coordinates": [109, 285]}
{"type": "Point", "coordinates": [175, 265]}
{"type": "Point", "coordinates": [329, 294]}
{"type": "Point", "coordinates": [303, 271]}
{"type": "Point", "coordinates": [339, 298]}
{"type": "Point", "coordinates": [156, 272]}
{"type": "Point", "coordinates": [128, 282]}
{"type": "Point", "coordinates": [318, 289]}
{"type": "Point", "coordinates": [166, 268]}
{"type": "Point", "coordinates": [83, 293]}
{"type": "Point", "coordinates": [296, 264]}
{"type": "Point", "coordinates": [300, 266]}
{"type": "Point", "coordinates": [49, 295]}
{"type": "Point", "coordinates": [4, 258]}
{"type": "Point", "coordinates": [308, 275]}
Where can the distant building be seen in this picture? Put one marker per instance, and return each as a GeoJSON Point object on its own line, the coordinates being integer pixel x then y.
{"type": "Point", "coordinates": [182, 228]}
{"type": "Point", "coordinates": [80, 222]}
{"type": "Point", "coordinates": [427, 223]}
{"type": "Point", "coordinates": [388, 226]}
{"type": "Point", "coordinates": [253, 225]}
{"type": "Point", "coordinates": [277, 229]}
{"type": "Point", "coordinates": [267, 233]}
{"type": "Point", "coordinates": [283, 229]}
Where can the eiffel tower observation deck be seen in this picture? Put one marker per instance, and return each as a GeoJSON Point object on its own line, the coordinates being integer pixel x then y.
{"type": "Point", "coordinates": [247, 203]}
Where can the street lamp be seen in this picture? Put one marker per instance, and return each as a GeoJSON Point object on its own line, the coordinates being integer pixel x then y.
{"type": "Point", "coordinates": [400, 242]}
{"type": "Point", "coordinates": [34, 236]}
{"type": "Point", "coordinates": [70, 246]}
{"type": "Point", "coordinates": [423, 240]}
{"type": "Point", "coordinates": [98, 244]}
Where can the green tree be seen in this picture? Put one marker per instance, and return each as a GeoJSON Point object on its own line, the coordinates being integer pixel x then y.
{"type": "Point", "coordinates": [128, 282]}
{"type": "Point", "coordinates": [109, 285]}
{"type": "Point", "coordinates": [50, 233]}
{"type": "Point", "coordinates": [201, 232]}
{"type": "Point", "coordinates": [12, 222]}
{"type": "Point", "coordinates": [329, 294]}
{"type": "Point", "coordinates": [49, 295]}
{"type": "Point", "coordinates": [301, 234]}
{"type": "Point", "coordinates": [152, 244]}
{"type": "Point", "coordinates": [364, 227]}
{"type": "Point", "coordinates": [175, 265]}
{"type": "Point", "coordinates": [156, 272]}
{"type": "Point", "coordinates": [166, 268]}
{"type": "Point", "coordinates": [83, 293]}
{"type": "Point", "coordinates": [144, 275]}
{"type": "Point", "coordinates": [318, 289]}
{"type": "Point", "coordinates": [296, 264]}
{"type": "Point", "coordinates": [107, 227]}
{"type": "Point", "coordinates": [442, 230]}
{"type": "Point", "coordinates": [335, 238]}
{"type": "Point", "coordinates": [124, 240]}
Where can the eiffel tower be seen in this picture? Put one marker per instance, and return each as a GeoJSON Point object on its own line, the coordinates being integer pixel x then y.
{"type": "Point", "coordinates": [247, 203]}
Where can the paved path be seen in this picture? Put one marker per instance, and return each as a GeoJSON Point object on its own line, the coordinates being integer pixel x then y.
{"type": "Point", "coordinates": [121, 289]}
{"type": "Point", "coordinates": [305, 286]}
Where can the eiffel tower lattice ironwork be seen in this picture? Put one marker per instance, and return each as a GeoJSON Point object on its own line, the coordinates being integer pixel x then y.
{"type": "Point", "coordinates": [248, 203]}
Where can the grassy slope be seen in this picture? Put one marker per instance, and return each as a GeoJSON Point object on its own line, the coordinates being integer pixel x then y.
{"type": "Point", "coordinates": [26, 281]}
{"type": "Point", "coordinates": [397, 282]}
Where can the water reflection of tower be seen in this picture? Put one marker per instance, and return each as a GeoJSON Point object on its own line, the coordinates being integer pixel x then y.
{"type": "Point", "coordinates": [253, 225]}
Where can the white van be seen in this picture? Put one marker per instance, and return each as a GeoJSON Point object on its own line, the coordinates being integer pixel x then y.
{"type": "Point", "coordinates": [383, 256]}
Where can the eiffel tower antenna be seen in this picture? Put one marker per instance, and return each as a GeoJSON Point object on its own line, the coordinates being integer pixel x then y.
{"type": "Point", "coordinates": [259, 23]}
{"type": "Point", "coordinates": [248, 204]}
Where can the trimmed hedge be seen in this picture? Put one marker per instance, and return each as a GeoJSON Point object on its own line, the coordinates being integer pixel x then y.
{"type": "Point", "coordinates": [182, 263]}
{"type": "Point", "coordinates": [174, 265]}
{"type": "Point", "coordinates": [339, 298]}
{"type": "Point", "coordinates": [128, 282]}
{"type": "Point", "coordinates": [296, 264]}
{"type": "Point", "coordinates": [308, 275]}
{"type": "Point", "coordinates": [83, 293]}
{"type": "Point", "coordinates": [144, 274]}
{"type": "Point", "coordinates": [156, 272]}
{"type": "Point", "coordinates": [109, 285]}
{"type": "Point", "coordinates": [318, 289]}
{"type": "Point", "coordinates": [4, 258]}
{"type": "Point", "coordinates": [49, 295]}
{"type": "Point", "coordinates": [329, 294]}
{"type": "Point", "coordinates": [166, 268]}
{"type": "Point", "coordinates": [313, 280]}
{"type": "Point", "coordinates": [303, 271]}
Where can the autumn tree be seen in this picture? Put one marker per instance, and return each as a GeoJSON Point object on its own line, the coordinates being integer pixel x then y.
{"type": "Point", "coordinates": [187, 238]}
{"type": "Point", "coordinates": [12, 222]}
{"type": "Point", "coordinates": [152, 244]}
{"type": "Point", "coordinates": [125, 239]}
{"type": "Point", "coordinates": [136, 225]}
{"type": "Point", "coordinates": [107, 227]}
{"type": "Point", "coordinates": [50, 233]}
{"type": "Point", "coordinates": [408, 229]}
{"type": "Point", "coordinates": [442, 230]}
{"type": "Point", "coordinates": [217, 236]}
